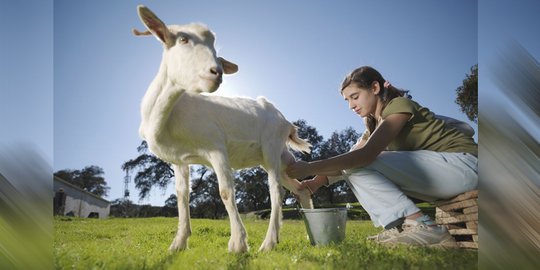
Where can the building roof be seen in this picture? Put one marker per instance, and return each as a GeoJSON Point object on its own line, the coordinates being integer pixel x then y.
{"type": "Point", "coordinates": [56, 178]}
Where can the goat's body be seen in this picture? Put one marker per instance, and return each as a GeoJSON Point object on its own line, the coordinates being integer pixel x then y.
{"type": "Point", "coordinates": [183, 127]}
{"type": "Point", "coordinates": [238, 126]}
{"type": "Point", "coordinates": [225, 133]}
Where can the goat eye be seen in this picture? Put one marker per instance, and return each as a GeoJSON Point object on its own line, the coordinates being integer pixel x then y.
{"type": "Point", "coordinates": [183, 40]}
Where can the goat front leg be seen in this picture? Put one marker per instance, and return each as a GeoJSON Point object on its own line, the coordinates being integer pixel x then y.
{"type": "Point", "coordinates": [238, 241]}
{"type": "Point", "coordinates": [181, 174]}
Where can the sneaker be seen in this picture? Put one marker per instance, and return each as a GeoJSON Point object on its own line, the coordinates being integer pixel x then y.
{"type": "Point", "coordinates": [422, 232]}
{"type": "Point", "coordinates": [384, 235]}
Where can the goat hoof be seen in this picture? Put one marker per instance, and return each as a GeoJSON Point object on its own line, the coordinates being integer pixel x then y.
{"type": "Point", "coordinates": [178, 245]}
{"type": "Point", "coordinates": [238, 246]}
{"type": "Point", "coordinates": [267, 246]}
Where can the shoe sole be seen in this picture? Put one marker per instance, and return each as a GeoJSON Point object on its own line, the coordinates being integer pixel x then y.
{"type": "Point", "coordinates": [444, 244]}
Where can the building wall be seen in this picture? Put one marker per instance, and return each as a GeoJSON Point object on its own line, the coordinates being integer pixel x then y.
{"type": "Point", "coordinates": [80, 203]}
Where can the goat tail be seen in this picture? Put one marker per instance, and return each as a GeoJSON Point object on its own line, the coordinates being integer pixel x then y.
{"type": "Point", "coordinates": [296, 143]}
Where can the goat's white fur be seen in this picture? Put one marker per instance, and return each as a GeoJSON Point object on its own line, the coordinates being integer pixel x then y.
{"type": "Point", "coordinates": [183, 127]}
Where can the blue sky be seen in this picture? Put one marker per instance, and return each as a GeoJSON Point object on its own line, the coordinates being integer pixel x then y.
{"type": "Point", "coordinates": [295, 54]}
{"type": "Point", "coordinates": [26, 76]}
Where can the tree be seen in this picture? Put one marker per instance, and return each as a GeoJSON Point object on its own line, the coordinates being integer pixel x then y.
{"type": "Point", "coordinates": [90, 178]}
{"type": "Point", "coordinates": [338, 143]}
{"type": "Point", "coordinates": [172, 201]}
{"type": "Point", "coordinates": [252, 191]}
{"type": "Point", "coordinates": [310, 134]}
{"type": "Point", "coordinates": [124, 208]}
{"type": "Point", "coordinates": [205, 200]}
{"type": "Point", "coordinates": [467, 95]}
{"type": "Point", "coordinates": [151, 171]}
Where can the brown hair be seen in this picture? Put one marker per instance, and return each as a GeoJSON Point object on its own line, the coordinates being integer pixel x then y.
{"type": "Point", "coordinates": [364, 77]}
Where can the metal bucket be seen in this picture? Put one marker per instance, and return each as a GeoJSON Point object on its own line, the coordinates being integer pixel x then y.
{"type": "Point", "coordinates": [325, 225]}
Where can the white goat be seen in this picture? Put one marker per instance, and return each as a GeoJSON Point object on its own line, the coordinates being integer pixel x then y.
{"type": "Point", "coordinates": [183, 127]}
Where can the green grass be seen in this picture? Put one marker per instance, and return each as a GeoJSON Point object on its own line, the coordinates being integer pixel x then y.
{"type": "Point", "coordinates": [142, 244]}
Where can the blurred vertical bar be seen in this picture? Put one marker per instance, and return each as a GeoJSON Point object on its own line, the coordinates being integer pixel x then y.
{"type": "Point", "coordinates": [25, 208]}
{"type": "Point", "coordinates": [509, 135]}
{"type": "Point", "coordinates": [26, 127]}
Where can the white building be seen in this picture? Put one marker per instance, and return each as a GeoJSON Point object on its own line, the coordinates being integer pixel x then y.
{"type": "Point", "coordinates": [70, 200]}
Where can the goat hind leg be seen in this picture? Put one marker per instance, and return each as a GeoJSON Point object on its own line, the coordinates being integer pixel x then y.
{"type": "Point", "coordinates": [181, 173]}
{"type": "Point", "coordinates": [272, 235]}
{"type": "Point", "coordinates": [293, 185]}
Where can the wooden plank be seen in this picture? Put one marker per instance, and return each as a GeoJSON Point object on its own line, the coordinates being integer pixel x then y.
{"type": "Point", "coordinates": [475, 238]}
{"type": "Point", "coordinates": [458, 219]}
{"type": "Point", "coordinates": [473, 225]}
{"type": "Point", "coordinates": [467, 245]}
{"type": "Point", "coordinates": [469, 210]}
{"type": "Point", "coordinates": [442, 214]}
{"type": "Point", "coordinates": [463, 232]}
{"type": "Point", "coordinates": [459, 205]}
{"type": "Point", "coordinates": [438, 211]}
{"type": "Point", "coordinates": [461, 197]}
{"type": "Point", "coordinates": [455, 226]}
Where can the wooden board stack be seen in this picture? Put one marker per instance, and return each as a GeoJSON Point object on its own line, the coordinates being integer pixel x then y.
{"type": "Point", "coordinates": [460, 216]}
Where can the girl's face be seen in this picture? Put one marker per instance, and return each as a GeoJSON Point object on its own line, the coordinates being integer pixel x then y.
{"type": "Point", "coordinates": [361, 101]}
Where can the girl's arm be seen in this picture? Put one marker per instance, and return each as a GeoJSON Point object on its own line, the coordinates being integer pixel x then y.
{"type": "Point", "coordinates": [323, 179]}
{"type": "Point", "coordinates": [359, 144]}
{"type": "Point", "coordinates": [314, 184]}
{"type": "Point", "coordinates": [360, 157]}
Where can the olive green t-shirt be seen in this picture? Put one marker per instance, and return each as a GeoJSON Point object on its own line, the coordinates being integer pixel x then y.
{"type": "Point", "coordinates": [425, 132]}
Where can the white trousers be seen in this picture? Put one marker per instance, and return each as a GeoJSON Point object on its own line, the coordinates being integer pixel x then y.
{"type": "Point", "coordinates": [383, 187]}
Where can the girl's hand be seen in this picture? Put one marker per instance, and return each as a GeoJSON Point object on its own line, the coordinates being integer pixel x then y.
{"type": "Point", "coordinates": [310, 185]}
{"type": "Point", "coordinates": [298, 170]}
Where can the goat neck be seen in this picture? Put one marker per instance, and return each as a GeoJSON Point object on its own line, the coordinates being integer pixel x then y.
{"type": "Point", "coordinates": [157, 104]}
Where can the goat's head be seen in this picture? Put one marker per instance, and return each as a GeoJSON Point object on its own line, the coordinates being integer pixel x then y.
{"type": "Point", "coordinates": [189, 54]}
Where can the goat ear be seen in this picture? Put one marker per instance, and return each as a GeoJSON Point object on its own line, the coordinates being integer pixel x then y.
{"type": "Point", "coordinates": [139, 33]}
{"type": "Point", "coordinates": [228, 67]}
{"type": "Point", "coordinates": [155, 25]}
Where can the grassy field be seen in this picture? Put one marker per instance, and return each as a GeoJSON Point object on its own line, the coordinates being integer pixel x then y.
{"type": "Point", "coordinates": [142, 244]}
